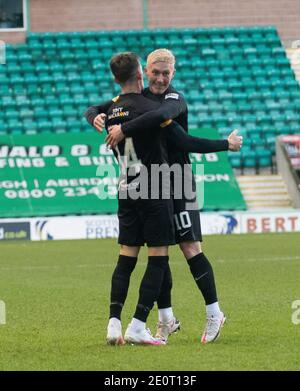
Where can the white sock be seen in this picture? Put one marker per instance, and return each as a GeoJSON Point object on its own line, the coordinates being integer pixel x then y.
{"type": "Point", "coordinates": [136, 324]}
{"type": "Point", "coordinates": [165, 314]}
{"type": "Point", "coordinates": [213, 309]}
{"type": "Point", "coordinates": [114, 321]}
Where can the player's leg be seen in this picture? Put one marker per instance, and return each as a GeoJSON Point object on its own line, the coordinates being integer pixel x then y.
{"type": "Point", "coordinates": [158, 234]}
{"type": "Point", "coordinates": [118, 293]}
{"type": "Point", "coordinates": [203, 275]}
{"type": "Point", "coordinates": [167, 322]}
{"type": "Point", "coordinates": [121, 279]}
{"type": "Point", "coordinates": [148, 294]}
{"type": "Point", "coordinates": [130, 240]}
{"type": "Point", "coordinates": [201, 270]}
{"type": "Point", "coordinates": [188, 236]}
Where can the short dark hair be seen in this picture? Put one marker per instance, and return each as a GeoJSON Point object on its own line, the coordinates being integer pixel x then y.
{"type": "Point", "coordinates": [124, 66]}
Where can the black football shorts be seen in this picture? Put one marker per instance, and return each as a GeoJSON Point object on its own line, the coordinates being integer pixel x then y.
{"type": "Point", "coordinates": [148, 222]}
{"type": "Point", "coordinates": [187, 222]}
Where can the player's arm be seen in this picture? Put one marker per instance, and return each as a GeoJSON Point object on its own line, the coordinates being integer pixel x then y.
{"type": "Point", "coordinates": [95, 115]}
{"type": "Point", "coordinates": [172, 107]}
{"type": "Point", "coordinates": [92, 111]}
{"type": "Point", "coordinates": [184, 142]}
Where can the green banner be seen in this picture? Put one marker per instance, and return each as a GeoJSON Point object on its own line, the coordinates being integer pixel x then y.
{"type": "Point", "coordinates": [58, 174]}
{"type": "Point", "coordinates": [221, 190]}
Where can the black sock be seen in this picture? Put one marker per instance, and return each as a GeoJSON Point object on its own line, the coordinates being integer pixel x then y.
{"type": "Point", "coordinates": [164, 299]}
{"type": "Point", "coordinates": [150, 286]}
{"type": "Point", "coordinates": [120, 284]}
{"type": "Point", "coordinates": [203, 274]}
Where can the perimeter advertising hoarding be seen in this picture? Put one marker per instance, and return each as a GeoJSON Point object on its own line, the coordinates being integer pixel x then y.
{"type": "Point", "coordinates": [57, 174]}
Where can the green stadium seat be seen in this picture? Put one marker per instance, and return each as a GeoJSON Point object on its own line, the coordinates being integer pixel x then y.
{"type": "Point", "coordinates": [80, 54]}
{"type": "Point", "coordinates": [27, 67]}
{"type": "Point", "coordinates": [4, 129]}
{"type": "Point", "coordinates": [58, 76]}
{"type": "Point", "coordinates": [44, 77]}
{"type": "Point", "coordinates": [40, 113]}
{"type": "Point", "coordinates": [62, 43]}
{"type": "Point", "coordinates": [74, 125]}
{"type": "Point", "coordinates": [49, 45]}
{"type": "Point", "coordinates": [66, 99]}
{"type": "Point", "coordinates": [61, 87]}
{"type": "Point", "coordinates": [13, 68]}
{"type": "Point", "coordinates": [58, 125]}
{"type": "Point", "coordinates": [264, 157]}
{"type": "Point", "coordinates": [70, 66]}
{"type": "Point", "coordinates": [235, 159]}
{"type": "Point", "coordinates": [51, 101]}
{"type": "Point", "coordinates": [30, 126]}
{"type": "Point", "coordinates": [55, 66]}
{"type": "Point", "coordinates": [66, 54]}
{"type": "Point", "coordinates": [15, 126]}
{"type": "Point", "coordinates": [4, 81]}
{"type": "Point", "coordinates": [55, 113]}
{"type": "Point", "coordinates": [249, 158]}
{"type": "Point", "coordinates": [16, 80]}
{"type": "Point", "coordinates": [77, 43]}
{"type": "Point", "coordinates": [69, 111]}
{"type": "Point", "coordinates": [44, 125]}
{"type": "Point", "coordinates": [26, 113]}
{"type": "Point", "coordinates": [11, 114]}
{"type": "Point", "coordinates": [294, 127]}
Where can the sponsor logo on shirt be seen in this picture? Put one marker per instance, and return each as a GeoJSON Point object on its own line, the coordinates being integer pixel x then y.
{"type": "Point", "coordinates": [118, 112]}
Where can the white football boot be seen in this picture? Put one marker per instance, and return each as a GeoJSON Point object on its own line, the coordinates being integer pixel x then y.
{"type": "Point", "coordinates": [114, 332]}
{"type": "Point", "coordinates": [213, 328]}
{"type": "Point", "coordinates": [141, 336]}
{"type": "Point", "coordinates": [164, 329]}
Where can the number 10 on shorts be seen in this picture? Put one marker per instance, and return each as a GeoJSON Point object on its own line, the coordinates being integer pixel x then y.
{"type": "Point", "coordinates": [182, 220]}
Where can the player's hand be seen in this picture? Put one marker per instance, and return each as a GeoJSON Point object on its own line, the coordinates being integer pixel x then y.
{"type": "Point", "coordinates": [99, 122]}
{"type": "Point", "coordinates": [115, 135]}
{"type": "Point", "coordinates": [235, 141]}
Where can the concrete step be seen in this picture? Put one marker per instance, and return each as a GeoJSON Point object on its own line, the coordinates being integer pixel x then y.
{"type": "Point", "coordinates": [273, 205]}
{"type": "Point", "coordinates": [259, 178]}
{"type": "Point", "coordinates": [263, 208]}
{"type": "Point", "coordinates": [267, 197]}
{"type": "Point", "coordinates": [293, 54]}
{"type": "Point", "coordinates": [264, 185]}
{"type": "Point", "coordinates": [253, 191]}
{"type": "Point", "coordinates": [264, 191]}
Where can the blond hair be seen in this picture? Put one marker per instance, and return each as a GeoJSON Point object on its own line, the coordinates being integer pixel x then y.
{"type": "Point", "coordinates": [161, 55]}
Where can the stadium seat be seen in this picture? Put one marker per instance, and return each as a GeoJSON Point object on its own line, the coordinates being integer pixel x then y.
{"type": "Point", "coordinates": [264, 157]}
{"type": "Point", "coordinates": [235, 159]}
{"type": "Point", "coordinates": [249, 158]}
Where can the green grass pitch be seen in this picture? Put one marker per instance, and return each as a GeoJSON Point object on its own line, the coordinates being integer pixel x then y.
{"type": "Point", "coordinates": [57, 297]}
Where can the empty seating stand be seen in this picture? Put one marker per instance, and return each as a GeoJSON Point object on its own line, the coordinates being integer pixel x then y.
{"type": "Point", "coordinates": [231, 77]}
